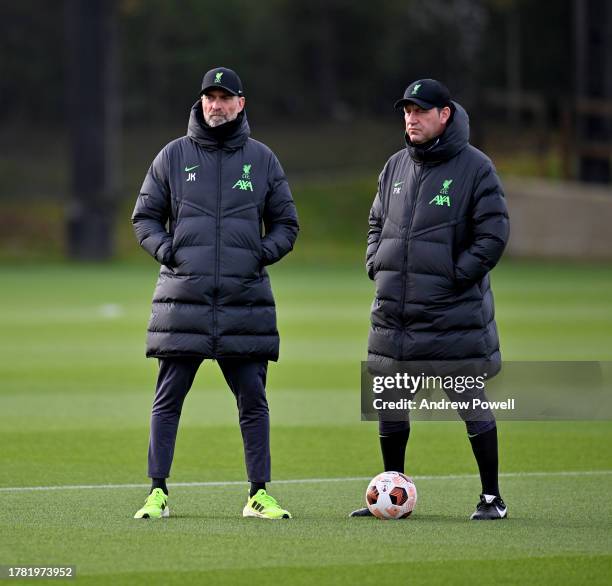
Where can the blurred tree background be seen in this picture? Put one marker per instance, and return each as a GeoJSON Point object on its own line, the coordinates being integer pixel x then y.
{"type": "Point", "coordinates": [332, 58]}
{"type": "Point", "coordinates": [320, 78]}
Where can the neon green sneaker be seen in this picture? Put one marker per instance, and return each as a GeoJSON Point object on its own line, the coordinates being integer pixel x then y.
{"type": "Point", "coordinates": [155, 507]}
{"type": "Point", "coordinates": [264, 506]}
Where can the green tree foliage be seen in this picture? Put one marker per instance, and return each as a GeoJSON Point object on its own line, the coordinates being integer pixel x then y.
{"type": "Point", "coordinates": [313, 58]}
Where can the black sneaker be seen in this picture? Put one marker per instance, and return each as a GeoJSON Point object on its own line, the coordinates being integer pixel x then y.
{"type": "Point", "coordinates": [490, 508]}
{"type": "Point", "coordinates": [365, 512]}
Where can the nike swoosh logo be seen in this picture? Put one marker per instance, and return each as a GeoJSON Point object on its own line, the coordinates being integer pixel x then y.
{"type": "Point", "coordinates": [397, 184]}
{"type": "Point", "coordinates": [501, 512]}
{"type": "Point", "coordinates": [187, 169]}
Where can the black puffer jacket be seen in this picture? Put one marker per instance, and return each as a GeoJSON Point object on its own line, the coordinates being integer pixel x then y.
{"type": "Point", "coordinates": [438, 225]}
{"type": "Point", "coordinates": [201, 213]}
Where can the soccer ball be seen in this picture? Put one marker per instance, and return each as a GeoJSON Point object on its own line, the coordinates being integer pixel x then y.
{"type": "Point", "coordinates": [391, 495]}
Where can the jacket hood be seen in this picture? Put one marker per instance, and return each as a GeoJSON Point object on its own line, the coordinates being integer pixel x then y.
{"type": "Point", "coordinates": [454, 139]}
{"type": "Point", "coordinates": [229, 136]}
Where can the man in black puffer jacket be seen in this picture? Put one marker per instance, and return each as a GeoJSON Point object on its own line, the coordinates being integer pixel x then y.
{"type": "Point", "coordinates": [438, 225]}
{"type": "Point", "coordinates": [214, 210]}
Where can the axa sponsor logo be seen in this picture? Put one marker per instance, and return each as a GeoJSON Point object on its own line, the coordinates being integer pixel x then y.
{"type": "Point", "coordinates": [443, 197]}
{"type": "Point", "coordinates": [244, 182]}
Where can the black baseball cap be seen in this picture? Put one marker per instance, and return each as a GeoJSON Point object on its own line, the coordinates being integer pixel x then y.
{"type": "Point", "coordinates": [427, 93]}
{"type": "Point", "coordinates": [222, 78]}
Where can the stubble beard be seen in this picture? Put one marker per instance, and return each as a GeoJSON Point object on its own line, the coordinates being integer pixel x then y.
{"type": "Point", "coordinates": [218, 119]}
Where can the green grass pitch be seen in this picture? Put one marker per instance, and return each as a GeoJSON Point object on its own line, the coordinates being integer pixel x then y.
{"type": "Point", "coordinates": [75, 394]}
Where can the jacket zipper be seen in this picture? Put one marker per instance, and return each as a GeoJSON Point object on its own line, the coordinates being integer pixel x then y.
{"type": "Point", "coordinates": [405, 265]}
{"type": "Point", "coordinates": [217, 256]}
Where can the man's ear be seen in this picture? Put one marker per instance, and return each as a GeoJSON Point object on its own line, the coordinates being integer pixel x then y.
{"type": "Point", "coordinates": [445, 114]}
{"type": "Point", "coordinates": [241, 102]}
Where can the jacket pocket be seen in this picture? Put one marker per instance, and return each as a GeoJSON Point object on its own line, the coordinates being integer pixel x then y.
{"type": "Point", "coordinates": [259, 255]}
{"type": "Point", "coordinates": [373, 266]}
{"type": "Point", "coordinates": [262, 255]}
